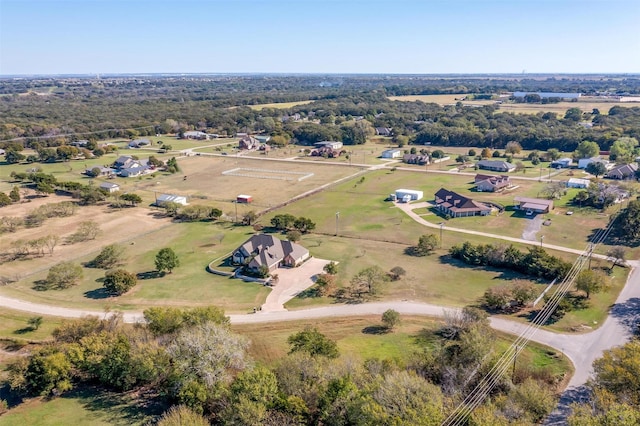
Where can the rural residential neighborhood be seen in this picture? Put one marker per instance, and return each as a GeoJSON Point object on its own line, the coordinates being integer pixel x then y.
{"type": "Point", "coordinates": [209, 221]}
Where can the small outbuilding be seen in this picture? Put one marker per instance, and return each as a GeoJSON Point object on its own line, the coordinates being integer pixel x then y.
{"type": "Point", "coordinates": [562, 163]}
{"type": "Point", "coordinates": [243, 198]}
{"type": "Point", "coordinates": [163, 199]}
{"type": "Point", "coordinates": [413, 194]}
{"type": "Point", "coordinates": [110, 187]}
{"type": "Point", "coordinates": [578, 183]}
{"type": "Point", "coordinates": [392, 153]}
{"type": "Point", "coordinates": [533, 205]}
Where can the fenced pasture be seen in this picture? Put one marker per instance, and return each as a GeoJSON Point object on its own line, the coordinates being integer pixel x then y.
{"type": "Point", "coordinates": [267, 174]}
{"type": "Point", "coordinates": [202, 179]}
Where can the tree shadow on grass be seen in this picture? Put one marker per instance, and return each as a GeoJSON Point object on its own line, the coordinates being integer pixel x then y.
{"type": "Point", "coordinates": [41, 285]}
{"type": "Point", "coordinates": [149, 275]}
{"type": "Point", "coordinates": [628, 314]}
{"type": "Point", "coordinates": [97, 293]}
{"type": "Point", "coordinates": [24, 330]}
{"type": "Point", "coordinates": [505, 274]}
{"type": "Point", "coordinates": [375, 329]}
{"type": "Point", "coordinates": [120, 408]}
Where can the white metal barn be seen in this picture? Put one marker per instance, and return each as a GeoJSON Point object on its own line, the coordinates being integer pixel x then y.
{"type": "Point", "coordinates": [415, 195]}
{"type": "Point", "coordinates": [163, 199]}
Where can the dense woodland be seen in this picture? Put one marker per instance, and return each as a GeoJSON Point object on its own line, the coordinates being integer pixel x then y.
{"type": "Point", "coordinates": [343, 107]}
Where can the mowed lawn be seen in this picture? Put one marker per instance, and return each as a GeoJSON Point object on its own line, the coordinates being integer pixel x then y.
{"type": "Point", "coordinates": [84, 406]}
{"type": "Point", "coordinates": [435, 279]}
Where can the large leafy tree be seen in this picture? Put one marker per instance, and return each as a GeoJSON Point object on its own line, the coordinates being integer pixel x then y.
{"type": "Point", "coordinates": [108, 257]}
{"type": "Point", "coordinates": [627, 224]}
{"type": "Point", "coordinates": [119, 281]}
{"type": "Point", "coordinates": [311, 341]}
{"type": "Point", "coordinates": [590, 282]}
{"type": "Point", "coordinates": [167, 260]}
{"type": "Point", "coordinates": [596, 168]}
{"type": "Point", "coordinates": [63, 275]}
{"type": "Point", "coordinates": [587, 149]}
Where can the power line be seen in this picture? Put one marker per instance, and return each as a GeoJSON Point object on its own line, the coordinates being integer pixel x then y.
{"type": "Point", "coordinates": [490, 380]}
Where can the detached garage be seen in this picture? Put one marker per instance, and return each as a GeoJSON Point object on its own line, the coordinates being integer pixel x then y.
{"type": "Point", "coordinates": [242, 198]}
{"type": "Point", "coordinates": [411, 194]}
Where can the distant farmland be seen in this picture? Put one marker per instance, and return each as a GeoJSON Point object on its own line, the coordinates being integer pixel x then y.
{"type": "Point", "coordinates": [586, 103]}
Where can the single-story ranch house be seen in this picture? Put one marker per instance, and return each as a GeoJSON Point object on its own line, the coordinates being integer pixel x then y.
{"type": "Point", "coordinates": [496, 166]}
{"type": "Point", "coordinates": [329, 144]}
{"type": "Point", "coordinates": [456, 205]}
{"type": "Point", "coordinates": [533, 205]}
{"type": "Point", "coordinates": [489, 183]}
{"type": "Point", "coordinates": [623, 171]}
{"type": "Point", "coordinates": [267, 250]}
{"type": "Point", "coordinates": [420, 159]}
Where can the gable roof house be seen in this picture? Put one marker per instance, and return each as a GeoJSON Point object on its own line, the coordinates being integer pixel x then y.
{"type": "Point", "coordinates": [456, 205]}
{"type": "Point", "coordinates": [489, 183]}
{"type": "Point", "coordinates": [416, 159]}
{"type": "Point", "coordinates": [195, 135]}
{"type": "Point", "coordinates": [267, 250]}
{"type": "Point", "coordinates": [248, 142]}
{"type": "Point", "coordinates": [139, 142]}
{"type": "Point", "coordinates": [496, 166]}
{"type": "Point", "coordinates": [623, 171]}
{"type": "Point", "coordinates": [123, 162]}
{"type": "Point", "coordinates": [384, 131]}
{"type": "Point", "coordinates": [330, 144]}
{"type": "Point", "coordinates": [578, 183]}
{"type": "Point", "coordinates": [533, 205]}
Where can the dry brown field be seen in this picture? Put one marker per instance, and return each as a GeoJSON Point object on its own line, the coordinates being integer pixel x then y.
{"type": "Point", "coordinates": [202, 180]}
{"type": "Point", "coordinates": [586, 104]}
{"type": "Point", "coordinates": [116, 225]}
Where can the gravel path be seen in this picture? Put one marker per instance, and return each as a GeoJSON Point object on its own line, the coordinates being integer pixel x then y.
{"type": "Point", "coordinates": [533, 227]}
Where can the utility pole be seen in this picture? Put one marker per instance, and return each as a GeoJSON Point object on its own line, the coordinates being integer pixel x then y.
{"type": "Point", "coordinates": [591, 247]}
{"type": "Point", "coordinates": [441, 226]}
{"type": "Point", "coordinates": [541, 240]}
{"type": "Point", "coordinates": [236, 204]}
{"type": "Point", "coordinates": [337, 219]}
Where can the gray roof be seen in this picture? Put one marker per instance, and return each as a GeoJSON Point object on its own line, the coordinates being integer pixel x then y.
{"type": "Point", "coordinates": [269, 250]}
{"type": "Point", "coordinates": [109, 185]}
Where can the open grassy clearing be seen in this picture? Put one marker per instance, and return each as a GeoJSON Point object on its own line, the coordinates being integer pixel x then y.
{"type": "Point", "coordinates": [196, 244]}
{"type": "Point", "coordinates": [278, 105]}
{"type": "Point", "coordinates": [586, 104]}
{"type": "Point", "coordinates": [592, 316]}
{"type": "Point", "coordinates": [14, 325]}
{"type": "Point", "coordinates": [356, 338]}
{"type": "Point", "coordinates": [85, 406]}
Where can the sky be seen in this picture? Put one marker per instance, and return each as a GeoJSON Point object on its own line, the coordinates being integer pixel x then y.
{"type": "Point", "coordinates": [319, 36]}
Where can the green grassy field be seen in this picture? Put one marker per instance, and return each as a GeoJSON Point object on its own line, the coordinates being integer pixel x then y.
{"type": "Point", "coordinates": [196, 244]}
{"type": "Point", "coordinates": [86, 406]}
{"type": "Point", "coordinates": [14, 326]}
{"type": "Point", "coordinates": [360, 338]}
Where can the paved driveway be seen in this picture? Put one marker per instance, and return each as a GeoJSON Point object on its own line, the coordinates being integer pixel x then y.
{"type": "Point", "coordinates": [291, 282]}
